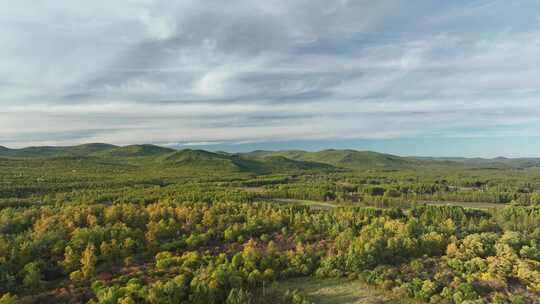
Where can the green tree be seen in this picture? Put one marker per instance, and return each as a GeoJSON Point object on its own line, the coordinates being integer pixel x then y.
{"type": "Point", "coordinates": [71, 260]}
{"type": "Point", "coordinates": [239, 296]}
{"type": "Point", "coordinates": [32, 277]}
{"type": "Point", "coordinates": [88, 262]}
{"type": "Point", "coordinates": [8, 299]}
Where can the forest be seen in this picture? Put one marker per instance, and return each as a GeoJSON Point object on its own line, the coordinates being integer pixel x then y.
{"type": "Point", "coordinates": [98, 223]}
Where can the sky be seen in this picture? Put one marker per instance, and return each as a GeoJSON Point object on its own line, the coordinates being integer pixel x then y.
{"type": "Point", "coordinates": [415, 77]}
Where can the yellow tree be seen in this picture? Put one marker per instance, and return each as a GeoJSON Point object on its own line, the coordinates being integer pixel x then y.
{"type": "Point", "coordinates": [88, 261]}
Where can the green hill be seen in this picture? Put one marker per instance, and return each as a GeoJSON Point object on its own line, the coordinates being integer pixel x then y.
{"type": "Point", "coordinates": [202, 161]}
{"type": "Point", "coordinates": [135, 151]}
{"type": "Point", "coordinates": [290, 154]}
{"type": "Point", "coordinates": [260, 161]}
{"type": "Point", "coordinates": [284, 164]}
{"type": "Point", "coordinates": [49, 151]}
{"type": "Point", "coordinates": [494, 163]}
{"type": "Point", "coordinates": [87, 149]}
{"type": "Point", "coordinates": [350, 159]}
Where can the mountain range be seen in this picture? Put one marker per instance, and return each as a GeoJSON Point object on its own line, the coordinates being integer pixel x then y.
{"type": "Point", "coordinates": [256, 161]}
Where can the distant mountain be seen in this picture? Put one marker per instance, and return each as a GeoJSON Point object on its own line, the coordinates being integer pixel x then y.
{"type": "Point", "coordinates": [477, 162]}
{"type": "Point", "coordinates": [261, 161]}
{"type": "Point", "coordinates": [281, 163]}
{"type": "Point", "coordinates": [291, 154]}
{"type": "Point", "coordinates": [87, 149]}
{"type": "Point", "coordinates": [350, 159]}
{"type": "Point", "coordinates": [200, 160]}
{"type": "Point", "coordinates": [358, 159]}
{"type": "Point", "coordinates": [80, 150]}
{"type": "Point", "coordinates": [135, 151]}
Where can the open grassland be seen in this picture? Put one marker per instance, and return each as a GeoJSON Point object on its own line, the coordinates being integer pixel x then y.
{"type": "Point", "coordinates": [331, 205]}
{"type": "Point", "coordinates": [340, 291]}
{"type": "Point", "coordinates": [476, 205]}
{"type": "Point", "coordinates": [309, 203]}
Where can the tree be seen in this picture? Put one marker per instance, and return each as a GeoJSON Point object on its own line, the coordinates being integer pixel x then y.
{"type": "Point", "coordinates": [71, 260]}
{"type": "Point", "coordinates": [32, 278]}
{"type": "Point", "coordinates": [172, 291]}
{"type": "Point", "coordinates": [8, 299]}
{"type": "Point", "coordinates": [239, 296]}
{"type": "Point", "coordinates": [88, 261]}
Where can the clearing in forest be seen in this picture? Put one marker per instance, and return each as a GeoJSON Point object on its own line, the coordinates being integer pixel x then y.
{"type": "Point", "coordinates": [338, 291]}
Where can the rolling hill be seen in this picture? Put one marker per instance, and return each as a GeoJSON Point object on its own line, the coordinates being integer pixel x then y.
{"type": "Point", "coordinates": [47, 151]}
{"type": "Point", "coordinates": [200, 160]}
{"type": "Point", "coordinates": [281, 163]}
{"type": "Point", "coordinates": [260, 161]}
{"type": "Point", "coordinates": [203, 160]}
{"type": "Point", "coordinates": [134, 151]}
{"type": "Point", "coordinates": [497, 162]}
{"type": "Point", "coordinates": [349, 159]}
{"type": "Point", "coordinates": [352, 159]}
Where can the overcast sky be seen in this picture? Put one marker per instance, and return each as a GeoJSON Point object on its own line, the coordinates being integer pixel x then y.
{"type": "Point", "coordinates": [270, 73]}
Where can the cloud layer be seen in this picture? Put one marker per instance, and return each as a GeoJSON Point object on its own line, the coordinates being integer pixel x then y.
{"type": "Point", "coordinates": [139, 71]}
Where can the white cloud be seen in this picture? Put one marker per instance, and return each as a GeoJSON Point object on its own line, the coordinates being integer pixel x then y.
{"type": "Point", "coordinates": [206, 71]}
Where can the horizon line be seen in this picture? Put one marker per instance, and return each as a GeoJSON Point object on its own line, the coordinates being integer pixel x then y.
{"type": "Point", "coordinates": [180, 147]}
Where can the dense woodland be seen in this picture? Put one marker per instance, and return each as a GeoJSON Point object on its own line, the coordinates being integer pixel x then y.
{"type": "Point", "coordinates": [145, 224]}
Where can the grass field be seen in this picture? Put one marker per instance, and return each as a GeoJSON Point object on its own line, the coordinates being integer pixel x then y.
{"type": "Point", "coordinates": [313, 204]}
{"type": "Point", "coordinates": [338, 291]}
{"type": "Point", "coordinates": [469, 204]}
{"type": "Point", "coordinates": [328, 205]}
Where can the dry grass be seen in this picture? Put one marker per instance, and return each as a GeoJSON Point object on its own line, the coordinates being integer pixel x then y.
{"type": "Point", "coordinates": [338, 291]}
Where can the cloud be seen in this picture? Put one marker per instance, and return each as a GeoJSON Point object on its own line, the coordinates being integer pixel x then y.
{"type": "Point", "coordinates": [242, 71]}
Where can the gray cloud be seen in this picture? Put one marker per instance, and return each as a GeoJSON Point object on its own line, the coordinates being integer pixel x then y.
{"type": "Point", "coordinates": [214, 71]}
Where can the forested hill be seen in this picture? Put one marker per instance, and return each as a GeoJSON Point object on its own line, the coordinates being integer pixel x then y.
{"type": "Point", "coordinates": [49, 151]}
{"type": "Point", "coordinates": [260, 161]}
{"type": "Point", "coordinates": [350, 159]}
{"type": "Point", "coordinates": [152, 157]}
{"type": "Point", "coordinates": [524, 162]}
